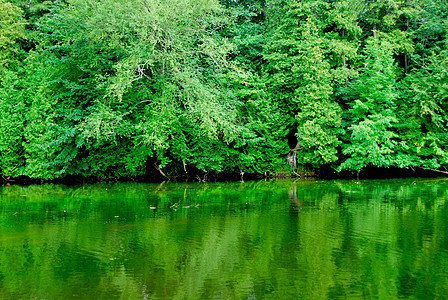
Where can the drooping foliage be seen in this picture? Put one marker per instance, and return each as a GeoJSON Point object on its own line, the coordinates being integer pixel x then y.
{"type": "Point", "coordinates": [117, 88]}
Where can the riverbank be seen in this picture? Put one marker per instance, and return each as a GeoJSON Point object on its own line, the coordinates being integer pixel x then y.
{"type": "Point", "coordinates": [326, 174]}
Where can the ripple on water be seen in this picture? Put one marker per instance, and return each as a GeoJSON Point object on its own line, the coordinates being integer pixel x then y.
{"type": "Point", "coordinates": [323, 246]}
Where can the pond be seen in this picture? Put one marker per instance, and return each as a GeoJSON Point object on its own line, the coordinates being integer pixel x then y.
{"type": "Point", "coordinates": [254, 240]}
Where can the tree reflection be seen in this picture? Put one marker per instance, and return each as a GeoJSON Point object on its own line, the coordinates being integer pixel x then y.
{"type": "Point", "coordinates": [308, 239]}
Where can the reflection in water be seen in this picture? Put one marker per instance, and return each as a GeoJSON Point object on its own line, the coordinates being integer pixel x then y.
{"type": "Point", "coordinates": [284, 239]}
{"type": "Point", "coordinates": [292, 194]}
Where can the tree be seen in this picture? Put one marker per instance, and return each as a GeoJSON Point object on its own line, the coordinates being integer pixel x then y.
{"type": "Point", "coordinates": [11, 125]}
{"type": "Point", "coordinates": [371, 119]}
{"type": "Point", "coordinates": [130, 86]}
{"type": "Point", "coordinates": [423, 113]}
{"type": "Point", "coordinates": [299, 79]}
{"type": "Point", "coordinates": [12, 27]}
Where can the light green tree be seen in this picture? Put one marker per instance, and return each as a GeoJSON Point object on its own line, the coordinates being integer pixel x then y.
{"type": "Point", "coordinates": [371, 138]}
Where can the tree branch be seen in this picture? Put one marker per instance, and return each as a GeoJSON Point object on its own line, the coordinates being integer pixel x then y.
{"type": "Point", "coordinates": [160, 171]}
{"type": "Point", "coordinates": [435, 170]}
{"type": "Point", "coordinates": [147, 6]}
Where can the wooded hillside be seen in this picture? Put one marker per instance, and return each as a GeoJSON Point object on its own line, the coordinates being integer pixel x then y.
{"type": "Point", "coordinates": [123, 88]}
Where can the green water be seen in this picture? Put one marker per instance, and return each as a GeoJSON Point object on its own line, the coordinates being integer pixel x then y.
{"type": "Point", "coordinates": [253, 240]}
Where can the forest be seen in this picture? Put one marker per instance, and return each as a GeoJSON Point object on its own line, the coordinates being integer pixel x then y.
{"type": "Point", "coordinates": [206, 88]}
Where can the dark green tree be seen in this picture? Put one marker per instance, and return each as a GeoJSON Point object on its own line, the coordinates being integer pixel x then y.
{"type": "Point", "coordinates": [299, 79]}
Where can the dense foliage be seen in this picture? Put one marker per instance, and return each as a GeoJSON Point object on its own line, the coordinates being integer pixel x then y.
{"type": "Point", "coordinates": [116, 88]}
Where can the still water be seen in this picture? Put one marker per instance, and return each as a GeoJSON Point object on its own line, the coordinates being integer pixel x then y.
{"type": "Point", "coordinates": [381, 239]}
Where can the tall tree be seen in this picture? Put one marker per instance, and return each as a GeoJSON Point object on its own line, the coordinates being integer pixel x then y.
{"type": "Point", "coordinates": [12, 29]}
{"type": "Point", "coordinates": [423, 113]}
{"type": "Point", "coordinates": [299, 78]}
{"type": "Point", "coordinates": [371, 138]}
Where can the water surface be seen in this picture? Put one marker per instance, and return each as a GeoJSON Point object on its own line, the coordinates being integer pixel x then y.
{"type": "Point", "coordinates": [253, 240]}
